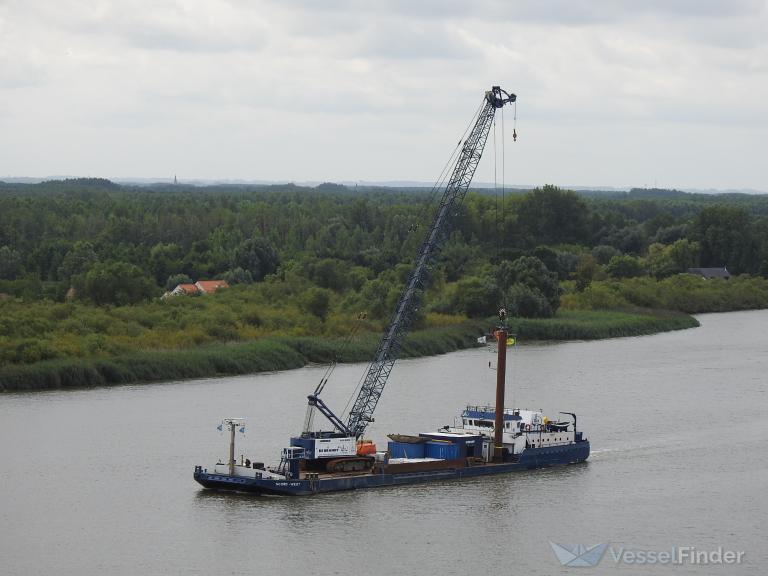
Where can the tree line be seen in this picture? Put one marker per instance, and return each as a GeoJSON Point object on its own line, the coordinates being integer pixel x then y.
{"type": "Point", "coordinates": [334, 245]}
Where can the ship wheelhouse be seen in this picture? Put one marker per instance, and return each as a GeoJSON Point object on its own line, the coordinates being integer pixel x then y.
{"type": "Point", "coordinates": [522, 428]}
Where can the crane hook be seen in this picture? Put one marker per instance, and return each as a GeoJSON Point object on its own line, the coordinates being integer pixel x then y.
{"type": "Point", "coordinates": [514, 135]}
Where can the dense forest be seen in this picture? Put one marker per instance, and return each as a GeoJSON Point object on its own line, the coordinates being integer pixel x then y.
{"type": "Point", "coordinates": [83, 262]}
{"type": "Point", "coordinates": [119, 245]}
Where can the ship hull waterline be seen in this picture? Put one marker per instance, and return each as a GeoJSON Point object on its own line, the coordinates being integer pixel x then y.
{"type": "Point", "coordinates": [530, 459]}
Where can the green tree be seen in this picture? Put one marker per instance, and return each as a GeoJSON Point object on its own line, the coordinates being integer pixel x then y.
{"type": "Point", "coordinates": [530, 272]}
{"type": "Point", "coordinates": [317, 301]}
{"type": "Point", "coordinates": [198, 262]}
{"type": "Point", "coordinates": [585, 271]}
{"type": "Point", "coordinates": [670, 234]}
{"type": "Point", "coordinates": [625, 266]}
{"type": "Point", "coordinates": [548, 256]}
{"type": "Point", "coordinates": [725, 237]}
{"type": "Point", "coordinates": [10, 263]}
{"type": "Point", "coordinates": [78, 260]}
{"type": "Point", "coordinates": [477, 296]}
{"type": "Point", "coordinates": [373, 298]}
{"type": "Point", "coordinates": [48, 257]}
{"type": "Point", "coordinates": [176, 279]}
{"type": "Point", "coordinates": [164, 260]}
{"type": "Point", "coordinates": [117, 283]}
{"type": "Point", "coordinates": [684, 254]}
{"type": "Point", "coordinates": [357, 277]}
{"type": "Point", "coordinates": [550, 215]}
{"type": "Point", "coordinates": [329, 273]}
{"type": "Point", "coordinates": [629, 239]}
{"type": "Point", "coordinates": [526, 302]}
{"type": "Point", "coordinates": [223, 242]}
{"type": "Point", "coordinates": [604, 253]}
{"type": "Point", "coordinates": [663, 261]}
{"type": "Point", "coordinates": [258, 256]}
{"type": "Point", "coordinates": [457, 258]}
{"type": "Point", "coordinates": [566, 264]}
{"type": "Point", "coordinates": [237, 276]}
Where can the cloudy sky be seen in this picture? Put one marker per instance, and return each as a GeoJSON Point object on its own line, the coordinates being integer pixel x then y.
{"type": "Point", "coordinates": [610, 92]}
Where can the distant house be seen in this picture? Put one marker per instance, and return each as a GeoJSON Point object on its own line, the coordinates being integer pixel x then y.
{"type": "Point", "coordinates": [708, 273]}
{"type": "Point", "coordinates": [210, 286]}
{"type": "Point", "coordinates": [199, 287]}
{"type": "Point", "coordinates": [185, 289]}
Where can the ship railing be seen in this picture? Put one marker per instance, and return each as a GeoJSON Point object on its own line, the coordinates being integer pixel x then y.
{"type": "Point", "coordinates": [488, 408]}
{"type": "Point", "coordinates": [290, 454]}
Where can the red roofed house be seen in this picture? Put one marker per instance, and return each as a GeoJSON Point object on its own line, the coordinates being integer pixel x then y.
{"type": "Point", "coordinates": [199, 287]}
{"type": "Point", "coordinates": [210, 286]}
{"type": "Point", "coordinates": [185, 289]}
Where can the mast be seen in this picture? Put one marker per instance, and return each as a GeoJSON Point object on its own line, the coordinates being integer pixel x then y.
{"type": "Point", "coordinates": [232, 424]}
{"type": "Point", "coordinates": [231, 448]}
{"type": "Point", "coordinates": [501, 376]}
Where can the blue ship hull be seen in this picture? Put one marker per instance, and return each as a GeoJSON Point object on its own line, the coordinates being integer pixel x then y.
{"type": "Point", "coordinates": [530, 459]}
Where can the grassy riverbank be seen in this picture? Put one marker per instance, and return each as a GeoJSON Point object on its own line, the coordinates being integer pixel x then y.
{"type": "Point", "coordinates": [286, 352]}
{"type": "Point", "coordinates": [263, 355]}
{"type": "Point", "coordinates": [597, 324]}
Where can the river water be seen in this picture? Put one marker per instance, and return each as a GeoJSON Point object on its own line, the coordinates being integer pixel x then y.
{"type": "Point", "coordinates": [100, 481]}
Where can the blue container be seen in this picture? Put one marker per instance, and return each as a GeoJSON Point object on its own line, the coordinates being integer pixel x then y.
{"type": "Point", "coordinates": [442, 450]}
{"type": "Point", "coordinates": [405, 450]}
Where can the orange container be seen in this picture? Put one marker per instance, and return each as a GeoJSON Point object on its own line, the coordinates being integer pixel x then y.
{"type": "Point", "coordinates": [365, 448]}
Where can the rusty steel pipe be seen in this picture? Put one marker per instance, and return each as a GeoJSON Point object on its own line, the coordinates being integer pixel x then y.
{"type": "Point", "coordinates": [501, 372]}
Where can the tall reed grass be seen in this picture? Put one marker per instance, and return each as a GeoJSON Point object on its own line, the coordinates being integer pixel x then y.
{"type": "Point", "coordinates": [282, 353]}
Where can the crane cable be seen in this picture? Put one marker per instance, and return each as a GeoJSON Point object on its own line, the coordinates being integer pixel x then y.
{"type": "Point", "coordinates": [496, 186]}
{"type": "Point", "coordinates": [438, 185]}
{"type": "Point", "coordinates": [514, 125]}
{"type": "Point", "coordinates": [502, 220]}
{"type": "Point", "coordinates": [309, 417]}
{"type": "Point", "coordinates": [344, 344]}
{"type": "Point", "coordinates": [451, 160]}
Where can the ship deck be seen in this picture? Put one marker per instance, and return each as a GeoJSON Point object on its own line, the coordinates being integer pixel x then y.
{"type": "Point", "coordinates": [317, 482]}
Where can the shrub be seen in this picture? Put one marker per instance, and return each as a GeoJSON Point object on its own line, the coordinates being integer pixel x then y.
{"type": "Point", "coordinates": [624, 266]}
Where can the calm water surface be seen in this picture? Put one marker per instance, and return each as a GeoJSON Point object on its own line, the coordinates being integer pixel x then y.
{"type": "Point", "coordinates": [100, 481]}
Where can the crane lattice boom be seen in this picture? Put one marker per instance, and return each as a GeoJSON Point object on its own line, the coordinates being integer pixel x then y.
{"type": "Point", "coordinates": [378, 372]}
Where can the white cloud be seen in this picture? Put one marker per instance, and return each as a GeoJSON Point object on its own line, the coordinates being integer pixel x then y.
{"type": "Point", "coordinates": [610, 92]}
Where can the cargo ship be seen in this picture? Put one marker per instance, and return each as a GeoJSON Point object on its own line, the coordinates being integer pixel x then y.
{"type": "Point", "coordinates": [488, 440]}
{"type": "Point", "coordinates": [442, 455]}
{"type": "Point", "coordinates": [484, 442]}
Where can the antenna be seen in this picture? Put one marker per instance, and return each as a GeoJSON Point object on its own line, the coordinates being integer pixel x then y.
{"type": "Point", "coordinates": [232, 424]}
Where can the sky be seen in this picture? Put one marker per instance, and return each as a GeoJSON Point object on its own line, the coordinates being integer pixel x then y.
{"type": "Point", "coordinates": [611, 93]}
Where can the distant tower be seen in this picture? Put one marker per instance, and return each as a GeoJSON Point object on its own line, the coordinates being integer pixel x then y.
{"type": "Point", "coordinates": [174, 180]}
